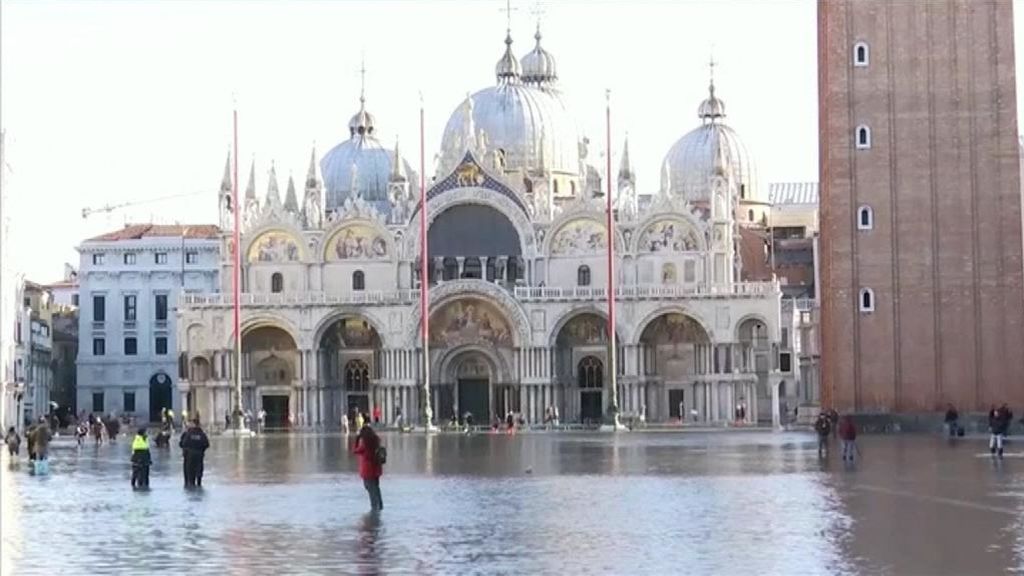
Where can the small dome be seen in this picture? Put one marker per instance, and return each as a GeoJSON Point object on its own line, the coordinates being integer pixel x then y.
{"type": "Point", "coordinates": [360, 166]}
{"type": "Point", "coordinates": [507, 68]}
{"type": "Point", "coordinates": [691, 163]}
{"type": "Point", "coordinates": [361, 123]}
{"type": "Point", "coordinates": [539, 65]}
{"type": "Point", "coordinates": [712, 108]}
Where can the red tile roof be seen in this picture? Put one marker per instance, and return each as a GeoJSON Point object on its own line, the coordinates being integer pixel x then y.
{"type": "Point", "coordinates": [138, 231]}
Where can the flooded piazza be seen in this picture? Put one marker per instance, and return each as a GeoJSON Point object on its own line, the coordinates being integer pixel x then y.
{"type": "Point", "coordinates": [533, 503]}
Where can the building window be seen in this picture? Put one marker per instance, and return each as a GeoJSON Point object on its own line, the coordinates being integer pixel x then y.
{"type": "Point", "coordinates": [98, 259]}
{"type": "Point", "coordinates": [861, 54]}
{"type": "Point", "coordinates": [160, 258]}
{"type": "Point", "coordinates": [785, 337]}
{"type": "Point", "coordinates": [867, 300]}
{"type": "Point", "coordinates": [690, 271]}
{"type": "Point", "coordinates": [583, 276]}
{"type": "Point", "coordinates": [131, 346]}
{"type": "Point", "coordinates": [750, 215]}
{"type": "Point", "coordinates": [590, 373]}
{"type": "Point", "coordinates": [357, 376]}
{"type": "Point", "coordinates": [161, 345]}
{"type": "Point", "coordinates": [865, 218]}
{"type": "Point", "coordinates": [129, 258]}
{"type": "Point", "coordinates": [99, 347]}
{"type": "Point", "coordinates": [785, 363]}
{"type": "Point", "coordinates": [863, 137]}
{"type": "Point", "coordinates": [129, 402]}
{"type": "Point", "coordinates": [554, 187]}
{"type": "Point", "coordinates": [161, 307]}
{"type": "Point", "coordinates": [358, 280]}
{"type": "Point", "coordinates": [74, 299]}
{"type": "Point", "coordinates": [572, 188]}
{"type": "Point", "coordinates": [277, 283]}
{"type": "Point", "coordinates": [99, 308]}
{"type": "Point", "coordinates": [97, 402]}
{"type": "Point", "coordinates": [668, 273]}
{"type": "Point", "coordinates": [191, 257]}
{"type": "Point", "coordinates": [129, 308]}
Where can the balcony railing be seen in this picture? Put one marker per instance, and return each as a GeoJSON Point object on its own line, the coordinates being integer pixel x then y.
{"type": "Point", "coordinates": [645, 291]}
{"type": "Point", "coordinates": [523, 293]}
{"type": "Point", "coordinates": [302, 298]}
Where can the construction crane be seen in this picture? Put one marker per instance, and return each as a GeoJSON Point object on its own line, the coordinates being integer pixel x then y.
{"type": "Point", "coordinates": [108, 208]}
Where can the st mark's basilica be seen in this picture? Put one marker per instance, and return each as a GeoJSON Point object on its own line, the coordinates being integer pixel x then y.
{"type": "Point", "coordinates": [517, 265]}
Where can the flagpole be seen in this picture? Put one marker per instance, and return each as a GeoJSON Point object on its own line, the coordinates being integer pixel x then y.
{"type": "Point", "coordinates": [613, 405]}
{"type": "Point", "coordinates": [237, 280]}
{"type": "Point", "coordinates": [428, 411]}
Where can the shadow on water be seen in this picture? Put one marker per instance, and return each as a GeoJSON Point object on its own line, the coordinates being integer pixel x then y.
{"type": "Point", "coordinates": [531, 504]}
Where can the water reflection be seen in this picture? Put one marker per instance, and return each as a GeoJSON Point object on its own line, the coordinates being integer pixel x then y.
{"type": "Point", "coordinates": [528, 504]}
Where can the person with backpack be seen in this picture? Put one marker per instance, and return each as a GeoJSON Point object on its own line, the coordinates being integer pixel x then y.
{"type": "Point", "coordinates": [372, 457]}
{"type": "Point", "coordinates": [823, 426]}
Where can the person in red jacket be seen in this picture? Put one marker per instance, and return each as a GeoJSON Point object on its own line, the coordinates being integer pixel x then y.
{"type": "Point", "coordinates": [848, 435]}
{"type": "Point", "coordinates": [371, 464]}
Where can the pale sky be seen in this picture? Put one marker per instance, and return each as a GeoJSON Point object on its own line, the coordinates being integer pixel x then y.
{"type": "Point", "coordinates": [109, 102]}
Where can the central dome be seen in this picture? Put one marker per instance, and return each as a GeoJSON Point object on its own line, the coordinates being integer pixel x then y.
{"type": "Point", "coordinates": [529, 122]}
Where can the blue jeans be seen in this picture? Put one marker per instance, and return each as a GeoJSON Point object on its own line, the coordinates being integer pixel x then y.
{"type": "Point", "coordinates": [849, 449]}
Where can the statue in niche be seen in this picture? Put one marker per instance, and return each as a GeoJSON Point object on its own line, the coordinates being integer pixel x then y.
{"type": "Point", "coordinates": [227, 215]}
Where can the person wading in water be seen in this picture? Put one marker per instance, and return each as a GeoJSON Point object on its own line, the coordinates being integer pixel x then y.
{"type": "Point", "coordinates": [372, 457]}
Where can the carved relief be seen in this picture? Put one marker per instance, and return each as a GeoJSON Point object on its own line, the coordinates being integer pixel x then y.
{"type": "Point", "coordinates": [275, 246]}
{"type": "Point", "coordinates": [668, 236]}
{"type": "Point", "coordinates": [357, 242]}
{"type": "Point", "coordinates": [467, 321]}
{"type": "Point", "coordinates": [673, 328]}
{"type": "Point", "coordinates": [582, 236]}
{"type": "Point", "coordinates": [582, 330]}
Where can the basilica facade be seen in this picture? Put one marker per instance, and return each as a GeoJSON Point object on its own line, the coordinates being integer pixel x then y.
{"type": "Point", "coordinates": [517, 264]}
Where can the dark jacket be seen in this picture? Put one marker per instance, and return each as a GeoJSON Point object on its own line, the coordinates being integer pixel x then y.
{"type": "Point", "coordinates": [366, 449]}
{"type": "Point", "coordinates": [194, 441]}
{"type": "Point", "coordinates": [1000, 421]}
{"type": "Point", "coordinates": [952, 416]}
{"type": "Point", "coordinates": [823, 425]}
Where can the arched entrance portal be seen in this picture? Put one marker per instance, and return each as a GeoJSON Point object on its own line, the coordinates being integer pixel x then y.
{"type": "Point", "coordinates": [160, 395]}
{"type": "Point", "coordinates": [673, 346]}
{"type": "Point", "coordinates": [270, 363]}
{"type": "Point", "coordinates": [471, 337]}
{"type": "Point", "coordinates": [581, 354]}
{"type": "Point", "coordinates": [348, 365]}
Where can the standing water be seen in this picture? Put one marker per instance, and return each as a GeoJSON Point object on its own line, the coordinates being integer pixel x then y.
{"type": "Point", "coordinates": [641, 503]}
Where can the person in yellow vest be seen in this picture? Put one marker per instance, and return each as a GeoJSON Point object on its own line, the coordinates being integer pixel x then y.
{"type": "Point", "coordinates": [359, 420]}
{"type": "Point", "coordinates": [141, 461]}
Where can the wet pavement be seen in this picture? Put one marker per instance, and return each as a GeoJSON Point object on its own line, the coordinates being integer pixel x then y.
{"type": "Point", "coordinates": [635, 503]}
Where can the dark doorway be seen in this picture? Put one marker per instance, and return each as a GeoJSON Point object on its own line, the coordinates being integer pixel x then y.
{"type": "Point", "coordinates": [475, 398]}
{"type": "Point", "coordinates": [676, 409]}
{"type": "Point", "coordinates": [277, 411]}
{"type": "Point", "coordinates": [590, 406]}
{"type": "Point", "coordinates": [445, 402]}
{"type": "Point", "coordinates": [360, 402]}
{"type": "Point", "coordinates": [160, 396]}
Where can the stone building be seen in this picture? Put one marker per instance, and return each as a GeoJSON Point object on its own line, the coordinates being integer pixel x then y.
{"type": "Point", "coordinates": [33, 350]}
{"type": "Point", "coordinates": [129, 281]}
{"type": "Point", "coordinates": [331, 318]}
{"type": "Point", "coordinates": [922, 276]}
